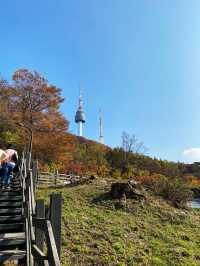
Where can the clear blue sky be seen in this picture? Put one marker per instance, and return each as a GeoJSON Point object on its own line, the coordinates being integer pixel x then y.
{"type": "Point", "coordinates": [137, 60]}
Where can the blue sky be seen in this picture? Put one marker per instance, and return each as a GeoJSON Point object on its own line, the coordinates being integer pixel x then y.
{"type": "Point", "coordinates": [137, 60]}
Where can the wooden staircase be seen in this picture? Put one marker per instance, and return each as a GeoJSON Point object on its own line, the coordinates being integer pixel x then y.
{"type": "Point", "coordinates": [26, 233]}
{"type": "Point", "coordinates": [12, 226]}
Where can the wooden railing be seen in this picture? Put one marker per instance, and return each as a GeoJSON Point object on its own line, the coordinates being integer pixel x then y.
{"type": "Point", "coordinates": [56, 179]}
{"type": "Point", "coordinates": [41, 230]}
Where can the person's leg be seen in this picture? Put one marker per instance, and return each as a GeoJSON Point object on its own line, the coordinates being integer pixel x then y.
{"type": "Point", "coordinates": [1, 179]}
{"type": "Point", "coordinates": [4, 173]}
{"type": "Point", "coordinates": [9, 174]}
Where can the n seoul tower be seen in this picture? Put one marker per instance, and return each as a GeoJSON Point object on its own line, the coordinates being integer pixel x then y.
{"type": "Point", "coordinates": [80, 116]}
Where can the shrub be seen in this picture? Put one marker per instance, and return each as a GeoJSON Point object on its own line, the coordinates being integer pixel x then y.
{"type": "Point", "coordinates": [116, 173]}
{"type": "Point", "coordinates": [149, 180]}
{"type": "Point", "coordinates": [176, 190]}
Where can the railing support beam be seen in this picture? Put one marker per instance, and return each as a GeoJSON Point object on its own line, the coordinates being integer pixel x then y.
{"type": "Point", "coordinates": [55, 218]}
{"type": "Point", "coordinates": [39, 236]}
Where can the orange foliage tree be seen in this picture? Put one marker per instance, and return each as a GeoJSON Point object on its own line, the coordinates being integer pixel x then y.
{"type": "Point", "coordinates": [30, 101]}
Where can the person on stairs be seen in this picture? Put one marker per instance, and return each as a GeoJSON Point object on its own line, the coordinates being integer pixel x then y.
{"type": "Point", "coordinates": [8, 165]}
{"type": "Point", "coordinates": [2, 156]}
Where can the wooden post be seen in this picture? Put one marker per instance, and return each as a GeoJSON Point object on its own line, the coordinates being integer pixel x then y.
{"type": "Point", "coordinates": [37, 168]}
{"type": "Point", "coordinates": [55, 218]}
{"type": "Point", "coordinates": [56, 176]}
{"type": "Point", "coordinates": [32, 198]}
{"type": "Point", "coordinates": [39, 236]}
{"type": "Point", "coordinates": [34, 171]}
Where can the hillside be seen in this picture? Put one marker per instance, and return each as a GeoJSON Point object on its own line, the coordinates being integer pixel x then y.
{"type": "Point", "coordinates": [97, 231]}
{"type": "Point", "coordinates": [30, 114]}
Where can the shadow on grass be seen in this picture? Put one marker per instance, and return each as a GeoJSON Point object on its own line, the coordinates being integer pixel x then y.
{"type": "Point", "coordinates": [107, 201]}
{"type": "Point", "coordinates": [74, 184]}
{"type": "Point", "coordinates": [102, 198]}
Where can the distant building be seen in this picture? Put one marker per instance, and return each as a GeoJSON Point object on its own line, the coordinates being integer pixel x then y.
{"type": "Point", "coordinates": [101, 136]}
{"type": "Point", "coordinates": [80, 120]}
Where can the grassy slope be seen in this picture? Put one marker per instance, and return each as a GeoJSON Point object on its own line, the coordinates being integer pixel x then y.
{"type": "Point", "coordinates": [97, 232]}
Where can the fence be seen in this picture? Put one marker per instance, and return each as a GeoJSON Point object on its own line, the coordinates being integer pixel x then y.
{"type": "Point", "coordinates": [43, 231]}
{"type": "Point", "coordinates": [47, 179]}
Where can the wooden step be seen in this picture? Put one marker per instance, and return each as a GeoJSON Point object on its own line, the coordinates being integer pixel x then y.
{"type": "Point", "coordinates": [12, 255]}
{"type": "Point", "coordinates": [10, 198]}
{"type": "Point", "coordinates": [16, 182]}
{"type": "Point", "coordinates": [18, 235]}
{"type": "Point", "coordinates": [10, 204]}
{"type": "Point", "coordinates": [15, 187]}
{"type": "Point", "coordinates": [11, 218]}
{"type": "Point", "coordinates": [6, 211]}
{"type": "Point", "coordinates": [10, 193]}
{"type": "Point", "coordinates": [11, 242]}
{"type": "Point", "coordinates": [12, 239]}
{"type": "Point", "coordinates": [14, 227]}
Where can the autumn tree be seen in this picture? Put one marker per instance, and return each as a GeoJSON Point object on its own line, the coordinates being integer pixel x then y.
{"type": "Point", "coordinates": [36, 103]}
{"type": "Point", "coordinates": [131, 144]}
{"type": "Point", "coordinates": [32, 103]}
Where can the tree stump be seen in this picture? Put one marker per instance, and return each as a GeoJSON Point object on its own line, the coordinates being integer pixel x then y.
{"type": "Point", "coordinates": [119, 189]}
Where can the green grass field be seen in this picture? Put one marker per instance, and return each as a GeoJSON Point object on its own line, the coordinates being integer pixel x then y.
{"type": "Point", "coordinates": [98, 231]}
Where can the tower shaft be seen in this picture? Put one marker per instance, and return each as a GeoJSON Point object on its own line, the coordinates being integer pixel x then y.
{"type": "Point", "coordinates": [80, 129]}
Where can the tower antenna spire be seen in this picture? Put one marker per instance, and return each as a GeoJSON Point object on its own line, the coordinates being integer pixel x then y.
{"type": "Point", "coordinates": [101, 136]}
{"type": "Point", "coordinates": [80, 99]}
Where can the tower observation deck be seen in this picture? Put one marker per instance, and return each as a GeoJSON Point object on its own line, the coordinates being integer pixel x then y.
{"type": "Point", "coordinates": [80, 116]}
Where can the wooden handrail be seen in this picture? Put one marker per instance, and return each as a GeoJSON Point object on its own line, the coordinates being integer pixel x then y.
{"type": "Point", "coordinates": [45, 226]}
{"type": "Point", "coordinates": [35, 256]}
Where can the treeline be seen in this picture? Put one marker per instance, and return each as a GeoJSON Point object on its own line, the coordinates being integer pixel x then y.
{"type": "Point", "coordinates": [30, 112]}
{"type": "Point", "coordinates": [94, 158]}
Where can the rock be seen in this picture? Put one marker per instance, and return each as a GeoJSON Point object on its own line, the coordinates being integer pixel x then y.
{"type": "Point", "coordinates": [196, 192]}
{"type": "Point", "coordinates": [182, 252]}
{"type": "Point", "coordinates": [92, 177]}
{"type": "Point", "coordinates": [133, 183]}
{"type": "Point", "coordinates": [103, 182]}
{"type": "Point", "coordinates": [185, 253]}
{"type": "Point", "coordinates": [186, 238]}
{"type": "Point", "coordinates": [147, 251]}
{"type": "Point", "coordinates": [182, 214]}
